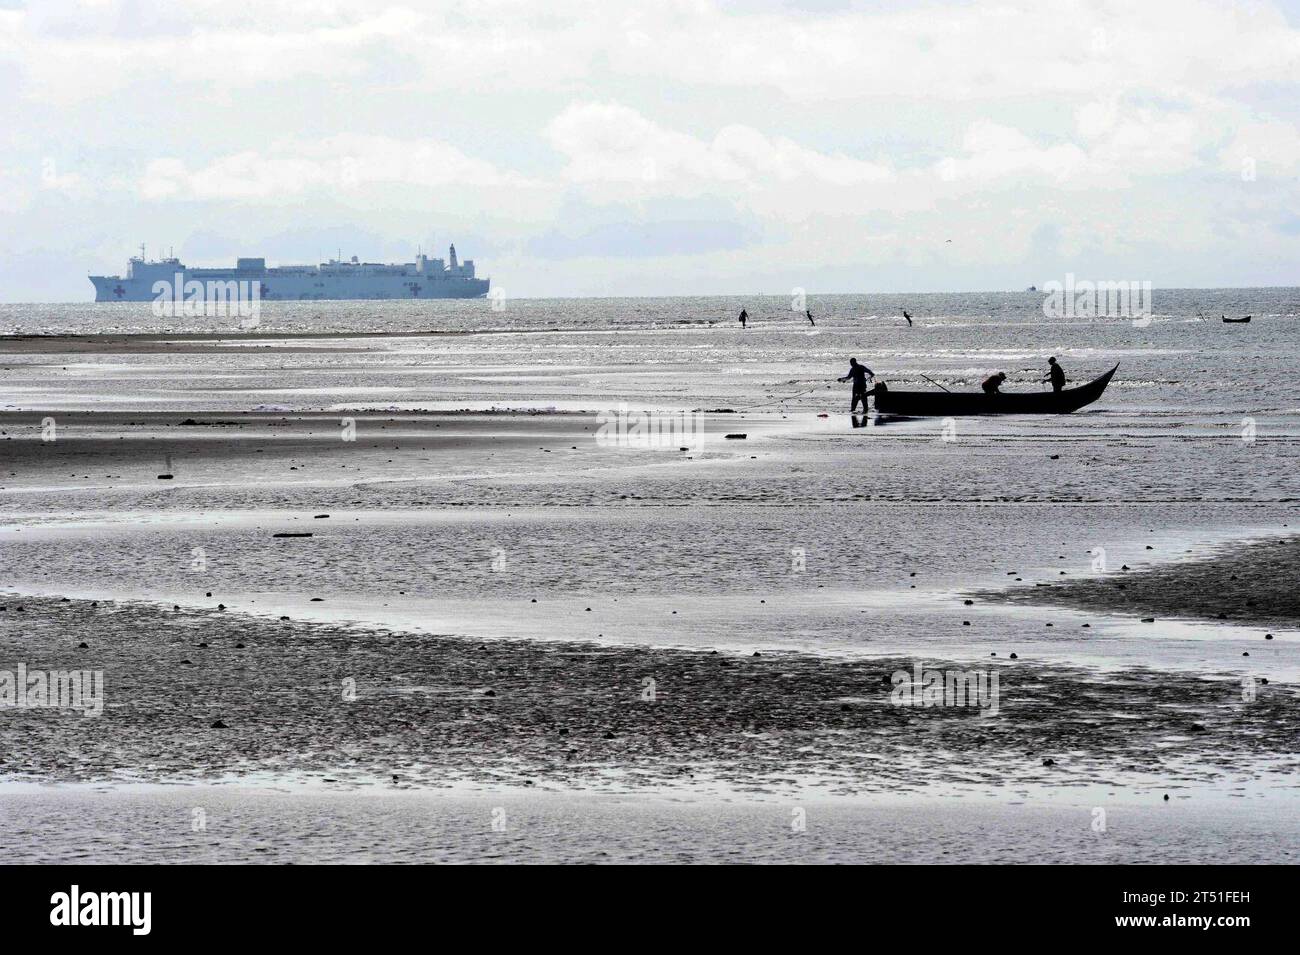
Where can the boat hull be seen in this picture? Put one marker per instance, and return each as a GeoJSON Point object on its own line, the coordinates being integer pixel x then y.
{"type": "Point", "coordinates": [947, 404]}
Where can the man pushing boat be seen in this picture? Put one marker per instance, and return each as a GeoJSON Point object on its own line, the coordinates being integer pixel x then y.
{"type": "Point", "coordinates": [859, 375]}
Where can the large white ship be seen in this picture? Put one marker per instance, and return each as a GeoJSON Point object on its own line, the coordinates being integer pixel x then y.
{"type": "Point", "coordinates": [147, 280]}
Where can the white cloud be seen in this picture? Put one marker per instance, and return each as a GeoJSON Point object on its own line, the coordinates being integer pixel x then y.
{"type": "Point", "coordinates": [998, 152]}
{"type": "Point", "coordinates": [611, 143]}
{"type": "Point", "coordinates": [932, 52]}
{"type": "Point", "coordinates": [338, 164]}
{"type": "Point", "coordinates": [225, 46]}
{"type": "Point", "coordinates": [972, 52]}
{"type": "Point", "coordinates": [1272, 147]}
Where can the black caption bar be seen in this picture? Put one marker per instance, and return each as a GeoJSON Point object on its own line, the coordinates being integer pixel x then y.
{"type": "Point", "coordinates": [141, 905]}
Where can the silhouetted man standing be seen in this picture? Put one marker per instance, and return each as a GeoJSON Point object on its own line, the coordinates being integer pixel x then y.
{"type": "Point", "coordinates": [1055, 375]}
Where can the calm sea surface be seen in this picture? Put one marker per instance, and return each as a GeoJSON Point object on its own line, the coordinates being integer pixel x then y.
{"type": "Point", "coordinates": [588, 354]}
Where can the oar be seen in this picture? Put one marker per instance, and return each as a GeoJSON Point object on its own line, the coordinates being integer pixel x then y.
{"type": "Point", "coordinates": [933, 382]}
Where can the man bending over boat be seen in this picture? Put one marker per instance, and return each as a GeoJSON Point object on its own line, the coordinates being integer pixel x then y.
{"type": "Point", "coordinates": [992, 383]}
{"type": "Point", "coordinates": [859, 374]}
{"type": "Point", "coordinates": [1055, 375]}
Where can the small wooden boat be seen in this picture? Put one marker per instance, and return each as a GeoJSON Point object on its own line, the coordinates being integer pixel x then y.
{"type": "Point", "coordinates": [1235, 321]}
{"type": "Point", "coordinates": [945, 404]}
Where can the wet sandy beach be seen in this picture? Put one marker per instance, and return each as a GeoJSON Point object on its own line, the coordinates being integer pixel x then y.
{"type": "Point", "coordinates": [668, 753]}
{"type": "Point", "coordinates": [637, 653]}
{"type": "Point", "coordinates": [352, 707]}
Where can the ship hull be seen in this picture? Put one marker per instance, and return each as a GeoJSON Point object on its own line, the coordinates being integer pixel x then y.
{"type": "Point", "coordinates": [302, 287]}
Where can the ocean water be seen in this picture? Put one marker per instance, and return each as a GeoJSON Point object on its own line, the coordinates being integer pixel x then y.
{"type": "Point", "coordinates": [685, 353]}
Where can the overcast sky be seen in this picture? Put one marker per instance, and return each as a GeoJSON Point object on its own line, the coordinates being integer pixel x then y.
{"type": "Point", "coordinates": [658, 148]}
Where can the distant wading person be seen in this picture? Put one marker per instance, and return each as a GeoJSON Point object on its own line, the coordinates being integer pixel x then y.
{"type": "Point", "coordinates": [744, 317]}
{"type": "Point", "coordinates": [992, 383]}
{"type": "Point", "coordinates": [908, 317]}
{"type": "Point", "coordinates": [859, 375]}
{"type": "Point", "coordinates": [1055, 374]}
{"type": "Point", "coordinates": [808, 313]}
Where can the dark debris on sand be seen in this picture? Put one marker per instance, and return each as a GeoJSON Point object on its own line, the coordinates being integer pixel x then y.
{"type": "Point", "coordinates": [1252, 583]}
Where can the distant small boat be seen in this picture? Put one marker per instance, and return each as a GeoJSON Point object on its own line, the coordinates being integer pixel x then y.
{"type": "Point", "coordinates": [1236, 321]}
{"type": "Point", "coordinates": [945, 404]}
